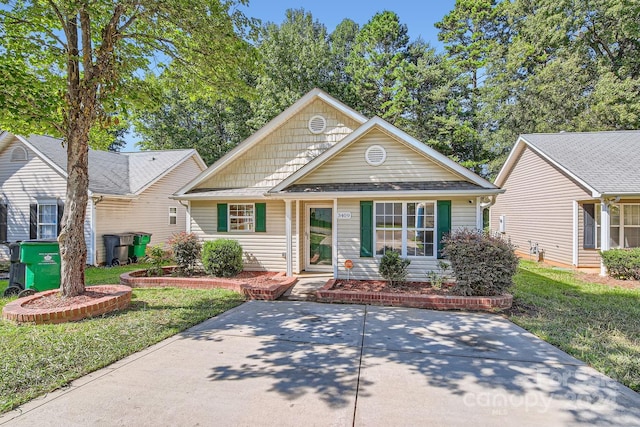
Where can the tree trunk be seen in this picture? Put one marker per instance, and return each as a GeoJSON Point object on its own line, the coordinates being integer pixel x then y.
{"type": "Point", "coordinates": [73, 249]}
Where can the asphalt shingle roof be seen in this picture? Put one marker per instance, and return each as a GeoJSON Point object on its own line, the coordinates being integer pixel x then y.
{"type": "Point", "coordinates": [114, 173]}
{"type": "Point", "coordinates": [383, 186]}
{"type": "Point", "coordinates": [609, 162]}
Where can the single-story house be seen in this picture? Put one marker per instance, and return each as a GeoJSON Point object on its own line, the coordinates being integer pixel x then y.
{"type": "Point", "coordinates": [127, 191]}
{"type": "Point", "coordinates": [321, 184]}
{"type": "Point", "coordinates": [570, 195]}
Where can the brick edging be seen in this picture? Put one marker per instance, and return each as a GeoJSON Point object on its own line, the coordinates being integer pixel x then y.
{"type": "Point", "coordinates": [118, 299]}
{"type": "Point", "coordinates": [251, 291]}
{"type": "Point", "coordinates": [435, 302]}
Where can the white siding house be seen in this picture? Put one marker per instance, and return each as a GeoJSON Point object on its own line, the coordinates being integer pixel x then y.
{"type": "Point", "coordinates": [127, 192]}
{"type": "Point", "coordinates": [321, 184]}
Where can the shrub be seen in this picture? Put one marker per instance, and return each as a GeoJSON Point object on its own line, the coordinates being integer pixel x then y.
{"type": "Point", "coordinates": [393, 268]}
{"type": "Point", "coordinates": [157, 256]}
{"type": "Point", "coordinates": [622, 263]}
{"type": "Point", "coordinates": [481, 264]}
{"type": "Point", "coordinates": [222, 257]}
{"type": "Point", "coordinates": [186, 252]}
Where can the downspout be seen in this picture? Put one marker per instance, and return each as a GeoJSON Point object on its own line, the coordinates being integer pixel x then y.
{"type": "Point", "coordinates": [188, 215]}
{"type": "Point", "coordinates": [94, 238]}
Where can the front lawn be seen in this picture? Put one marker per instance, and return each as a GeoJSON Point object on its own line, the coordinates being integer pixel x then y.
{"type": "Point", "coordinates": [595, 323]}
{"type": "Point", "coordinates": [38, 359]}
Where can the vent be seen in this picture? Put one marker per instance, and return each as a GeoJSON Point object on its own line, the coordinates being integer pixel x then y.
{"type": "Point", "coordinates": [375, 155]}
{"type": "Point", "coordinates": [317, 124]}
{"type": "Point", "coordinates": [19, 154]}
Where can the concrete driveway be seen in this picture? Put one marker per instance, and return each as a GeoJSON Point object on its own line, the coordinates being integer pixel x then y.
{"type": "Point", "coordinates": [303, 364]}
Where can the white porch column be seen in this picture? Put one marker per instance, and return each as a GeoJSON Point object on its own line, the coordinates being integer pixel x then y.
{"type": "Point", "coordinates": [334, 242]}
{"type": "Point", "coordinates": [605, 232]}
{"type": "Point", "coordinates": [479, 221]}
{"type": "Point", "coordinates": [575, 245]}
{"type": "Point", "coordinates": [296, 264]}
{"type": "Point", "coordinates": [289, 242]}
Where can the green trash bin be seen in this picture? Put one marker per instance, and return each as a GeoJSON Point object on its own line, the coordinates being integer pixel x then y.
{"type": "Point", "coordinates": [42, 264]}
{"type": "Point", "coordinates": [140, 241]}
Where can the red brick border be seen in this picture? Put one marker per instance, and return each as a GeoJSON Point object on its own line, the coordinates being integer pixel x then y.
{"type": "Point", "coordinates": [138, 279]}
{"type": "Point", "coordinates": [435, 302]}
{"type": "Point", "coordinates": [118, 299]}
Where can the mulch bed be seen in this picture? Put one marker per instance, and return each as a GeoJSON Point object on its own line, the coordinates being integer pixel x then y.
{"type": "Point", "coordinates": [421, 288]}
{"type": "Point", "coordinates": [58, 301]}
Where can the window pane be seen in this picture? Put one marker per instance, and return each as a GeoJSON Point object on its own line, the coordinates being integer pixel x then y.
{"type": "Point", "coordinates": [388, 240]}
{"type": "Point", "coordinates": [419, 243]}
{"type": "Point", "coordinates": [632, 237]}
{"type": "Point", "coordinates": [241, 217]}
{"type": "Point", "coordinates": [631, 214]}
{"type": "Point", "coordinates": [614, 237]}
{"type": "Point", "coordinates": [47, 231]}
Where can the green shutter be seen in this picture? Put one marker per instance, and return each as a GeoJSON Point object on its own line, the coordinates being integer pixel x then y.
{"type": "Point", "coordinates": [366, 229]}
{"type": "Point", "coordinates": [222, 217]}
{"type": "Point", "coordinates": [444, 222]}
{"type": "Point", "coordinates": [261, 217]}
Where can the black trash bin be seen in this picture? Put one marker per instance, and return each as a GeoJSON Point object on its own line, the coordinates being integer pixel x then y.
{"type": "Point", "coordinates": [16, 271]}
{"type": "Point", "coordinates": [117, 248]}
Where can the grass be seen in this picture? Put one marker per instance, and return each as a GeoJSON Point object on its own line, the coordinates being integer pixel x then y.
{"type": "Point", "coordinates": [38, 359]}
{"type": "Point", "coordinates": [595, 323]}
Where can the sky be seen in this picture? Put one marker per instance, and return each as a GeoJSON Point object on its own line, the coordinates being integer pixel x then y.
{"type": "Point", "coordinates": [419, 16]}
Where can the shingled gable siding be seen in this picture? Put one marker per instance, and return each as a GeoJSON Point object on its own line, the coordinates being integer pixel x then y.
{"type": "Point", "coordinates": [538, 204]}
{"type": "Point", "coordinates": [149, 212]}
{"type": "Point", "coordinates": [285, 150]}
{"type": "Point", "coordinates": [263, 250]}
{"type": "Point", "coordinates": [463, 215]}
{"type": "Point", "coordinates": [350, 165]}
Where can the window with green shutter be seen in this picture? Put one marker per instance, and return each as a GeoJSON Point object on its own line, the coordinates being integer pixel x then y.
{"type": "Point", "coordinates": [222, 217]}
{"type": "Point", "coordinates": [261, 217]}
{"type": "Point", "coordinates": [444, 222]}
{"type": "Point", "coordinates": [366, 228]}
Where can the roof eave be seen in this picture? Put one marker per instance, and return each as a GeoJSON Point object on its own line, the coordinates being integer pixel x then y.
{"type": "Point", "coordinates": [385, 194]}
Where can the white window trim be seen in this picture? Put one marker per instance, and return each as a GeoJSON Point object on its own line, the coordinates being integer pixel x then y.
{"type": "Point", "coordinates": [173, 215]}
{"type": "Point", "coordinates": [253, 216]}
{"type": "Point", "coordinates": [38, 223]}
{"type": "Point", "coordinates": [404, 229]}
{"type": "Point", "coordinates": [620, 226]}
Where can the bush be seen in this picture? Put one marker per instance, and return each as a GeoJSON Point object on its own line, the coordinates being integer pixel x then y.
{"type": "Point", "coordinates": [157, 256]}
{"type": "Point", "coordinates": [222, 257]}
{"type": "Point", "coordinates": [186, 252]}
{"type": "Point", "coordinates": [393, 268]}
{"type": "Point", "coordinates": [481, 264]}
{"type": "Point", "coordinates": [622, 263]}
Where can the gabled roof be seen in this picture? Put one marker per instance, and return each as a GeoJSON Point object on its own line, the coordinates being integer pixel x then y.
{"type": "Point", "coordinates": [605, 163]}
{"type": "Point", "coordinates": [399, 135]}
{"type": "Point", "coordinates": [122, 174]}
{"type": "Point", "coordinates": [275, 123]}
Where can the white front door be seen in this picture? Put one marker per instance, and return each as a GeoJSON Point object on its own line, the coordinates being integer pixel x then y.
{"type": "Point", "coordinates": [319, 238]}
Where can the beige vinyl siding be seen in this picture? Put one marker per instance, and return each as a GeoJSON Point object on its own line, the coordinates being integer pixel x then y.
{"type": "Point", "coordinates": [402, 164]}
{"type": "Point", "coordinates": [285, 150]}
{"type": "Point", "coordinates": [149, 212]}
{"type": "Point", "coordinates": [538, 204]}
{"type": "Point", "coordinates": [23, 183]}
{"type": "Point", "coordinates": [463, 215]}
{"type": "Point", "coordinates": [262, 250]}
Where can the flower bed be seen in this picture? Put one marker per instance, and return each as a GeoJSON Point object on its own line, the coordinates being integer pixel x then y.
{"type": "Point", "coordinates": [421, 297]}
{"type": "Point", "coordinates": [47, 307]}
{"type": "Point", "coordinates": [254, 285]}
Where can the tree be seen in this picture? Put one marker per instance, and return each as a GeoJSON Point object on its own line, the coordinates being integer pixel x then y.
{"type": "Point", "coordinates": [295, 58]}
{"type": "Point", "coordinates": [213, 127]}
{"type": "Point", "coordinates": [69, 67]}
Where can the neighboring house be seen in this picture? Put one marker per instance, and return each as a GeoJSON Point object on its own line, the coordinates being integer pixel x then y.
{"type": "Point", "coordinates": [127, 191]}
{"type": "Point", "coordinates": [571, 195]}
{"type": "Point", "coordinates": [321, 184]}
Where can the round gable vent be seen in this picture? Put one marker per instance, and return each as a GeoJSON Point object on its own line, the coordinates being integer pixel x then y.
{"type": "Point", "coordinates": [317, 124]}
{"type": "Point", "coordinates": [375, 155]}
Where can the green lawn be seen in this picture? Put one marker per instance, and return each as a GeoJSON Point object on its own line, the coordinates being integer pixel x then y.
{"type": "Point", "coordinates": [595, 323]}
{"type": "Point", "coordinates": [38, 359]}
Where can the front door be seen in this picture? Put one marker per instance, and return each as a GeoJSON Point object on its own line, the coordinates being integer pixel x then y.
{"type": "Point", "coordinates": [319, 238]}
